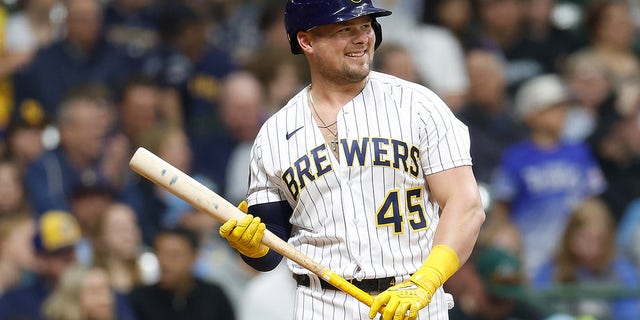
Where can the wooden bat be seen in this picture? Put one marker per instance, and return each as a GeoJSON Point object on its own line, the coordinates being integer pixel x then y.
{"type": "Point", "coordinates": [182, 185]}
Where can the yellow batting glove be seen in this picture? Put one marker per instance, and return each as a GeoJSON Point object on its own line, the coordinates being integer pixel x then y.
{"type": "Point", "coordinates": [415, 293]}
{"type": "Point", "coordinates": [246, 235]}
{"type": "Point", "coordinates": [243, 206]}
{"type": "Point", "coordinates": [403, 301]}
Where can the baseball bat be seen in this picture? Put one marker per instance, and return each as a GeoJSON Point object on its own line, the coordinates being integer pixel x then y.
{"type": "Point", "coordinates": [188, 189]}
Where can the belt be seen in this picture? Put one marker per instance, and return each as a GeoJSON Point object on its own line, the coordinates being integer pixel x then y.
{"type": "Point", "coordinates": [366, 285]}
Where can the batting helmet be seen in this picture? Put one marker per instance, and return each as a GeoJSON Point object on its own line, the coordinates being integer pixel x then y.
{"type": "Point", "coordinates": [301, 15]}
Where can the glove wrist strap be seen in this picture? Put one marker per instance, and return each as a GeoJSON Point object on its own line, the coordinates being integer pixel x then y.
{"type": "Point", "coordinates": [439, 266]}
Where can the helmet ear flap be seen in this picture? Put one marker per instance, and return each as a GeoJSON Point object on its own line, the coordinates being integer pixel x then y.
{"type": "Point", "coordinates": [377, 29]}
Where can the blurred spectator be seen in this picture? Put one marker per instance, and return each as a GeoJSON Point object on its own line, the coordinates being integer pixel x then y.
{"type": "Point", "coordinates": [628, 235]}
{"type": "Point", "coordinates": [505, 237]}
{"type": "Point", "coordinates": [551, 43]}
{"type": "Point", "coordinates": [35, 26]}
{"type": "Point", "coordinates": [272, 28]}
{"type": "Point", "coordinates": [501, 289]}
{"type": "Point", "coordinates": [488, 113]}
{"type": "Point", "coordinates": [117, 246]}
{"type": "Point", "coordinates": [242, 112]}
{"type": "Point", "coordinates": [541, 178]}
{"type": "Point", "coordinates": [395, 60]}
{"type": "Point", "coordinates": [87, 203]}
{"type": "Point", "coordinates": [161, 208]}
{"type": "Point", "coordinates": [617, 147]}
{"type": "Point", "coordinates": [57, 233]}
{"type": "Point", "coordinates": [589, 82]}
{"type": "Point", "coordinates": [86, 156]}
{"type": "Point", "coordinates": [13, 199]}
{"type": "Point", "coordinates": [8, 66]}
{"type": "Point", "coordinates": [236, 25]}
{"type": "Point", "coordinates": [85, 294]}
{"type": "Point", "coordinates": [24, 141]}
{"type": "Point", "coordinates": [189, 69]}
{"type": "Point", "coordinates": [441, 70]}
{"type": "Point", "coordinates": [140, 107]}
{"type": "Point", "coordinates": [280, 73]}
{"type": "Point", "coordinates": [455, 15]}
{"type": "Point", "coordinates": [611, 33]}
{"type": "Point", "coordinates": [178, 294]}
{"type": "Point", "coordinates": [132, 25]}
{"type": "Point", "coordinates": [83, 56]}
{"type": "Point", "coordinates": [24, 32]}
{"type": "Point", "coordinates": [16, 251]}
{"type": "Point", "coordinates": [587, 255]}
{"type": "Point", "coordinates": [501, 30]}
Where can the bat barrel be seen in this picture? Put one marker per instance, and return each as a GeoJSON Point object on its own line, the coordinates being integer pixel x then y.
{"type": "Point", "coordinates": [182, 185]}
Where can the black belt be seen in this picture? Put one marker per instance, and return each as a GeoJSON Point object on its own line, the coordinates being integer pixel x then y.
{"type": "Point", "coordinates": [366, 285]}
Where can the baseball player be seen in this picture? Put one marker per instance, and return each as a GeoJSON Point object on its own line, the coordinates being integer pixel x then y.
{"type": "Point", "coordinates": [363, 172]}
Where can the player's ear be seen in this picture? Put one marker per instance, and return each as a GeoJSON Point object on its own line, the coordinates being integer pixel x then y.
{"type": "Point", "coordinates": [305, 41]}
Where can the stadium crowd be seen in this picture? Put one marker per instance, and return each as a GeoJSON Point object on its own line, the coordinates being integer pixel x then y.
{"type": "Point", "coordinates": [550, 92]}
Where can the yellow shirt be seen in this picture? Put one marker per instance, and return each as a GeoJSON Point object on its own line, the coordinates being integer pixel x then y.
{"type": "Point", "coordinates": [6, 92]}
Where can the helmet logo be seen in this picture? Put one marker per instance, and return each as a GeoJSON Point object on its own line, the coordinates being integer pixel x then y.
{"type": "Point", "coordinates": [356, 1]}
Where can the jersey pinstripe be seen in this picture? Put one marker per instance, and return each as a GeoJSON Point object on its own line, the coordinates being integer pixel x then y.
{"type": "Point", "coordinates": [366, 214]}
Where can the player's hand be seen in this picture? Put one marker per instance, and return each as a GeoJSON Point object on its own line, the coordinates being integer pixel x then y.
{"type": "Point", "coordinates": [400, 299]}
{"type": "Point", "coordinates": [245, 235]}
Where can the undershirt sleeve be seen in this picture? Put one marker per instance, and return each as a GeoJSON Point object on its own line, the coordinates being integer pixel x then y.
{"type": "Point", "coordinates": [275, 216]}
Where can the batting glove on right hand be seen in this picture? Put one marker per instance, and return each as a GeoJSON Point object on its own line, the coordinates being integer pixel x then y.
{"type": "Point", "coordinates": [246, 235]}
{"type": "Point", "coordinates": [406, 297]}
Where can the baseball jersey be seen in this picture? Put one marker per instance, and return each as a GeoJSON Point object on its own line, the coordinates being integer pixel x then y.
{"type": "Point", "coordinates": [542, 186]}
{"type": "Point", "coordinates": [367, 214]}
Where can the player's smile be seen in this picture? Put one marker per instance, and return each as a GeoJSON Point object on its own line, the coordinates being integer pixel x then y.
{"type": "Point", "coordinates": [357, 54]}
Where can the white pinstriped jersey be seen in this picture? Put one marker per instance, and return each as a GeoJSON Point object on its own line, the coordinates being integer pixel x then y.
{"type": "Point", "coordinates": [367, 214]}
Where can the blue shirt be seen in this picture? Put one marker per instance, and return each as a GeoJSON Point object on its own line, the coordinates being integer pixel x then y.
{"type": "Point", "coordinates": [51, 178]}
{"type": "Point", "coordinates": [542, 186]}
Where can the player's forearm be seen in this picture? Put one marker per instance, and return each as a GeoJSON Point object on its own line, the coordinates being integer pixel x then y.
{"type": "Point", "coordinates": [455, 237]}
{"type": "Point", "coordinates": [460, 223]}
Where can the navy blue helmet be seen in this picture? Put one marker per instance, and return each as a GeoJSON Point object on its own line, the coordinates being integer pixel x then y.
{"type": "Point", "coordinates": [302, 15]}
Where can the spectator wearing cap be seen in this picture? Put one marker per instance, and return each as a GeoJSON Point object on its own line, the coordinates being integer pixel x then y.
{"type": "Point", "coordinates": [23, 139]}
{"type": "Point", "coordinates": [541, 178]}
{"type": "Point", "coordinates": [502, 275]}
{"type": "Point", "coordinates": [492, 287]}
{"type": "Point", "coordinates": [56, 234]}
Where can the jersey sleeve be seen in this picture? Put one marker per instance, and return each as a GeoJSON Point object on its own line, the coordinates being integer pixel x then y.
{"type": "Point", "coordinates": [262, 188]}
{"type": "Point", "coordinates": [444, 140]}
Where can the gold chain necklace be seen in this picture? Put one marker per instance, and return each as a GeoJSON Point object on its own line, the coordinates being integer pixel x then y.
{"type": "Point", "coordinates": [334, 143]}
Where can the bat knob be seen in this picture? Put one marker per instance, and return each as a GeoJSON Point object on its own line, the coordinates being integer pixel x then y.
{"type": "Point", "coordinates": [449, 298]}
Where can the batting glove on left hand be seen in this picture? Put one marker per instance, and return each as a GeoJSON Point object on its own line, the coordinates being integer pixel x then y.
{"type": "Point", "coordinates": [246, 235]}
{"type": "Point", "coordinates": [400, 299]}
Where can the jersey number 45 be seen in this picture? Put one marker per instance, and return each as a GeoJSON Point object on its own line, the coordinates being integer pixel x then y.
{"type": "Point", "coordinates": [389, 213]}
